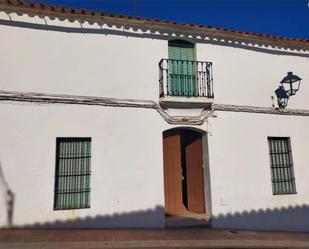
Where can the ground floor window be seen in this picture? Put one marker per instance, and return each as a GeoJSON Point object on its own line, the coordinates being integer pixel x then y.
{"type": "Point", "coordinates": [281, 164]}
{"type": "Point", "coordinates": [72, 176]}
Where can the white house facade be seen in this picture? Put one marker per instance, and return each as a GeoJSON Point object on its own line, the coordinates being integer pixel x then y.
{"type": "Point", "coordinates": [115, 122]}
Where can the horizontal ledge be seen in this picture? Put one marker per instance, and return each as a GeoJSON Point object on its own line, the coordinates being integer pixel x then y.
{"type": "Point", "coordinates": [185, 102]}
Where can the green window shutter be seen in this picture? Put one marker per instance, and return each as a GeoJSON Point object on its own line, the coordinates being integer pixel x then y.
{"type": "Point", "coordinates": [72, 178]}
{"type": "Point", "coordinates": [181, 68]}
{"type": "Point", "coordinates": [281, 164]}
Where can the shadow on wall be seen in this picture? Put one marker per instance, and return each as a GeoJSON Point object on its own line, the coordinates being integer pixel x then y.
{"type": "Point", "coordinates": [216, 40]}
{"type": "Point", "coordinates": [149, 218]}
{"type": "Point", "coordinates": [8, 198]}
{"type": "Point", "coordinates": [292, 218]}
{"type": "Point", "coordinates": [283, 219]}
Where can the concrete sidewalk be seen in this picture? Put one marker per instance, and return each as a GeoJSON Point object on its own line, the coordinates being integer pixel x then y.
{"type": "Point", "coordinates": [150, 238]}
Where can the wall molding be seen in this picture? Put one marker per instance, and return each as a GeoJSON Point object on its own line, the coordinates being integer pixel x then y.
{"type": "Point", "coordinates": [44, 98]}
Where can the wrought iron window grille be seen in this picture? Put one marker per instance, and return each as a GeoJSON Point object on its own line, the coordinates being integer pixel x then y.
{"type": "Point", "coordinates": [72, 175]}
{"type": "Point", "coordinates": [281, 165]}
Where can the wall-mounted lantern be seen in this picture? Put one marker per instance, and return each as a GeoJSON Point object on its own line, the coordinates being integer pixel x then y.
{"type": "Point", "coordinates": [282, 97]}
{"type": "Point", "coordinates": [289, 86]}
{"type": "Point", "coordinates": [291, 83]}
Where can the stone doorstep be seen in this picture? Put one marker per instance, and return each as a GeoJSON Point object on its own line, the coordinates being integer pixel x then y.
{"type": "Point", "coordinates": [188, 219]}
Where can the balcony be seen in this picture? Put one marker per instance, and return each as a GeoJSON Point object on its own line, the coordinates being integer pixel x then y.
{"type": "Point", "coordinates": [185, 83]}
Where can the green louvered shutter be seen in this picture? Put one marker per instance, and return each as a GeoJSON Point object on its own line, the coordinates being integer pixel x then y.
{"type": "Point", "coordinates": [72, 183]}
{"type": "Point", "coordinates": [181, 68]}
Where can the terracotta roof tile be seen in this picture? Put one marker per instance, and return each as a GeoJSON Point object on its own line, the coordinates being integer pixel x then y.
{"type": "Point", "coordinates": [45, 9]}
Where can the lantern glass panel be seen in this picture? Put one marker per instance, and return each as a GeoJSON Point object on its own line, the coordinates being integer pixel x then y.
{"type": "Point", "coordinates": [291, 83]}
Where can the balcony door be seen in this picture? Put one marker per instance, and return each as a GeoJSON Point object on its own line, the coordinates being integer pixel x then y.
{"type": "Point", "coordinates": [181, 68]}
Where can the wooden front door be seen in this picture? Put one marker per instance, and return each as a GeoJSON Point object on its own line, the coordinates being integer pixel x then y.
{"type": "Point", "coordinates": [195, 177]}
{"type": "Point", "coordinates": [183, 172]}
{"type": "Point", "coordinates": [172, 173]}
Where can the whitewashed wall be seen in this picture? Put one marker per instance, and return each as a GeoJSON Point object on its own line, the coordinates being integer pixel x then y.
{"type": "Point", "coordinates": [249, 77]}
{"type": "Point", "coordinates": [127, 163]}
{"type": "Point", "coordinates": [241, 177]}
{"type": "Point", "coordinates": [105, 63]}
{"type": "Point", "coordinates": [80, 63]}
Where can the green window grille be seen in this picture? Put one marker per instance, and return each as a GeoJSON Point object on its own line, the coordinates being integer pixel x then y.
{"type": "Point", "coordinates": [281, 164]}
{"type": "Point", "coordinates": [72, 178]}
{"type": "Point", "coordinates": [182, 69]}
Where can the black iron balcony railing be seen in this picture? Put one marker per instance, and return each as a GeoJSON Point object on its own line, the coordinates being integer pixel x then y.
{"type": "Point", "coordinates": [186, 78]}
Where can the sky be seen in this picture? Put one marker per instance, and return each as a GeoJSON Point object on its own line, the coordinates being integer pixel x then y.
{"type": "Point", "coordinates": [289, 18]}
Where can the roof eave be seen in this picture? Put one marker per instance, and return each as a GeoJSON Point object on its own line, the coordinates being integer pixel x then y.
{"type": "Point", "coordinates": [197, 30]}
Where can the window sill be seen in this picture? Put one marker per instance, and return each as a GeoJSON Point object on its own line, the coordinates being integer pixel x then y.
{"type": "Point", "coordinates": [71, 208]}
{"type": "Point", "coordinates": [292, 193]}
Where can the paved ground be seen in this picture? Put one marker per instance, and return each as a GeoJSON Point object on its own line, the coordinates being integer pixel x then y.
{"type": "Point", "coordinates": [149, 238]}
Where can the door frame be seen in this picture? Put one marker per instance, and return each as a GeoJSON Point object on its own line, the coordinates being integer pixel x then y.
{"type": "Point", "coordinates": [205, 163]}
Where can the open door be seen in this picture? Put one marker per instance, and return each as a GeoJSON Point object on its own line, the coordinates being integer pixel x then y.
{"type": "Point", "coordinates": [183, 172]}
{"type": "Point", "coordinates": [195, 177]}
{"type": "Point", "coordinates": [172, 173]}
